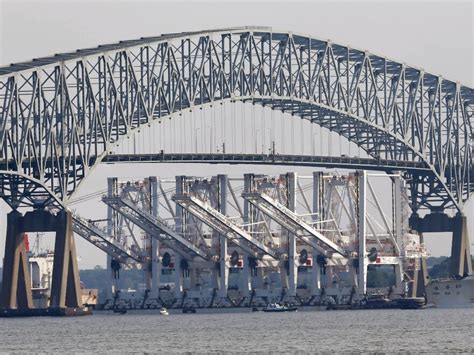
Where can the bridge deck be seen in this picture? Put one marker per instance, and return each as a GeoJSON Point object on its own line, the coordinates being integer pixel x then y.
{"type": "Point", "coordinates": [343, 162]}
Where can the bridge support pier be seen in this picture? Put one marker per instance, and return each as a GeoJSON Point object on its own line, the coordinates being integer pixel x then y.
{"type": "Point", "coordinates": [65, 287]}
{"type": "Point", "coordinates": [16, 289]}
{"type": "Point", "coordinates": [461, 262]}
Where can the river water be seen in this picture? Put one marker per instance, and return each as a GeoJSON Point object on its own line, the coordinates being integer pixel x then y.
{"type": "Point", "coordinates": [381, 331]}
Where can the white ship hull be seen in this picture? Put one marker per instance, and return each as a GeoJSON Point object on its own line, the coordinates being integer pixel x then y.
{"type": "Point", "coordinates": [451, 293]}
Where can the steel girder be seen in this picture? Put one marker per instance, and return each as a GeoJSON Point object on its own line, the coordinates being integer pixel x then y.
{"type": "Point", "coordinates": [61, 114]}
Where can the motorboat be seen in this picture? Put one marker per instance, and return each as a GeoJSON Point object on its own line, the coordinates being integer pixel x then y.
{"type": "Point", "coordinates": [120, 310]}
{"type": "Point", "coordinates": [276, 307]}
{"type": "Point", "coordinates": [189, 309]}
{"type": "Point", "coordinates": [164, 312]}
{"type": "Point", "coordinates": [377, 301]}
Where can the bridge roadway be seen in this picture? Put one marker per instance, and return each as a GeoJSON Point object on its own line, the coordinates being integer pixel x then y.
{"type": "Point", "coordinates": [342, 162]}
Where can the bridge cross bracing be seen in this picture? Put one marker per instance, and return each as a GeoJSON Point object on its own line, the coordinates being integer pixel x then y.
{"type": "Point", "coordinates": [61, 115]}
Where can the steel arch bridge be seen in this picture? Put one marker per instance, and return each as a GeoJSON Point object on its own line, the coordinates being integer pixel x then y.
{"type": "Point", "coordinates": [60, 115]}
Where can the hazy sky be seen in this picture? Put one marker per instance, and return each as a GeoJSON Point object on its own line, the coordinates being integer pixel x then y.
{"type": "Point", "coordinates": [436, 36]}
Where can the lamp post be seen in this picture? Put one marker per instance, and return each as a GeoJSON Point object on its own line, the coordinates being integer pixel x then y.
{"type": "Point", "coordinates": [314, 143]}
{"type": "Point", "coordinates": [256, 140]}
{"type": "Point", "coordinates": [196, 138]}
{"type": "Point", "coordinates": [264, 136]}
{"type": "Point", "coordinates": [210, 138]}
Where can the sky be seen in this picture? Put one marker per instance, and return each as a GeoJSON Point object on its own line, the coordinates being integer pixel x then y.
{"type": "Point", "coordinates": [434, 35]}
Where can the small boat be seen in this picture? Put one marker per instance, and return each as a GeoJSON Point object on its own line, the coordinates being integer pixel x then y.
{"type": "Point", "coordinates": [164, 312]}
{"type": "Point", "coordinates": [276, 307]}
{"type": "Point", "coordinates": [120, 310]}
{"type": "Point", "coordinates": [338, 307]}
{"type": "Point", "coordinates": [411, 303]}
{"type": "Point", "coordinates": [377, 301]}
{"type": "Point", "coordinates": [188, 309]}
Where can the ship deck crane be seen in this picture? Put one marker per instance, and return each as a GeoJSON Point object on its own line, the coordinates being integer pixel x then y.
{"type": "Point", "coordinates": [155, 226]}
{"type": "Point", "coordinates": [223, 225]}
{"type": "Point", "coordinates": [102, 240]}
{"type": "Point", "coordinates": [293, 223]}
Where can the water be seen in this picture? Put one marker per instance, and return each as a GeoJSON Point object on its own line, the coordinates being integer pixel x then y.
{"type": "Point", "coordinates": [431, 330]}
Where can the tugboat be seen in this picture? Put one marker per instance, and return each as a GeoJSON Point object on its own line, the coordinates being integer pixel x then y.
{"type": "Point", "coordinates": [377, 301]}
{"type": "Point", "coordinates": [380, 301]}
{"type": "Point", "coordinates": [276, 307]}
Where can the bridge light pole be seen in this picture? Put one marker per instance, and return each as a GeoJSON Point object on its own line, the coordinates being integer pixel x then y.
{"type": "Point", "coordinates": [314, 143]}
{"type": "Point", "coordinates": [264, 136]}
{"type": "Point", "coordinates": [210, 138]}
{"type": "Point", "coordinates": [256, 141]}
{"type": "Point", "coordinates": [196, 138]}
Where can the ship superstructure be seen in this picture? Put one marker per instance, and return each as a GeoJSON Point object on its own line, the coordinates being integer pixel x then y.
{"type": "Point", "coordinates": [41, 263]}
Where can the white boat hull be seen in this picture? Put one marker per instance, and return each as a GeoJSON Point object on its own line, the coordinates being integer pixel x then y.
{"type": "Point", "coordinates": [451, 293]}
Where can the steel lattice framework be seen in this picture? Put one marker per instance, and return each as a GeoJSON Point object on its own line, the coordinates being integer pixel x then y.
{"type": "Point", "coordinates": [60, 115]}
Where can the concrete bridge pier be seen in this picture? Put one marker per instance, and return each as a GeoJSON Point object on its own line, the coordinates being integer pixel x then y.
{"type": "Point", "coordinates": [65, 286]}
{"type": "Point", "coordinates": [461, 262]}
{"type": "Point", "coordinates": [16, 289]}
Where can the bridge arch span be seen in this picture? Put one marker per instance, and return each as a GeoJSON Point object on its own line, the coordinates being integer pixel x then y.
{"type": "Point", "coordinates": [60, 115]}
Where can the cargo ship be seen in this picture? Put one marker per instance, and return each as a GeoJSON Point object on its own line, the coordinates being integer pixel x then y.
{"type": "Point", "coordinates": [451, 293]}
{"type": "Point", "coordinates": [41, 270]}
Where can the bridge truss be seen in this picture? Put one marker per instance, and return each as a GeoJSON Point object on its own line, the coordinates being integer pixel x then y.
{"type": "Point", "coordinates": [61, 115]}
